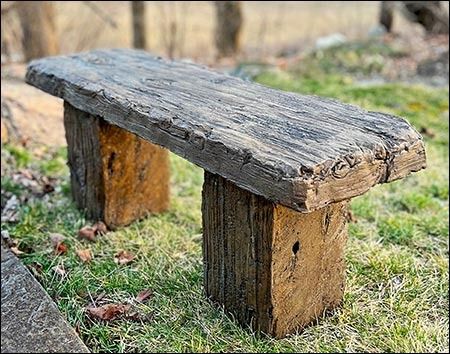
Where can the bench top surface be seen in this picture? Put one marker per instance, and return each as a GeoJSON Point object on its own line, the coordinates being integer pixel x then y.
{"type": "Point", "coordinates": [302, 151]}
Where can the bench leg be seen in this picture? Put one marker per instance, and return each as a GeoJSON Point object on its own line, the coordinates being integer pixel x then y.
{"type": "Point", "coordinates": [274, 268]}
{"type": "Point", "coordinates": [116, 176]}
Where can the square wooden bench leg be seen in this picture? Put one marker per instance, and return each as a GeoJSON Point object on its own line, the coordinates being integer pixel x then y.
{"type": "Point", "coordinates": [115, 176]}
{"type": "Point", "coordinates": [272, 267]}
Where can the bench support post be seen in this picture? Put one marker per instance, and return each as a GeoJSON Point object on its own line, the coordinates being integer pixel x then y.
{"type": "Point", "coordinates": [274, 268]}
{"type": "Point", "coordinates": [115, 176]}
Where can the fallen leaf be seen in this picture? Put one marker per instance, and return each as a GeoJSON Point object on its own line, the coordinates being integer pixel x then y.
{"type": "Point", "coordinates": [85, 255]}
{"type": "Point", "coordinates": [123, 257]}
{"type": "Point", "coordinates": [59, 269]}
{"type": "Point", "coordinates": [87, 233]}
{"type": "Point", "coordinates": [61, 248]}
{"type": "Point", "coordinates": [144, 295]}
{"type": "Point", "coordinates": [16, 251]}
{"type": "Point", "coordinates": [57, 242]}
{"type": "Point", "coordinates": [108, 312]}
{"type": "Point", "coordinates": [27, 180]}
{"type": "Point", "coordinates": [100, 228]}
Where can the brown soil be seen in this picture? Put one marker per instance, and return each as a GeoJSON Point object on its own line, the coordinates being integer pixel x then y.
{"type": "Point", "coordinates": [28, 114]}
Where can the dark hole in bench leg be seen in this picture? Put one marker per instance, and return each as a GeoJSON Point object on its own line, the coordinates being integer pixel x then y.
{"type": "Point", "coordinates": [248, 245]}
{"type": "Point", "coordinates": [115, 175]}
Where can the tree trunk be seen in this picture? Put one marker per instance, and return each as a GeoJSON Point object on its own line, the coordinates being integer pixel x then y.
{"type": "Point", "coordinates": [228, 27]}
{"type": "Point", "coordinates": [138, 13]}
{"type": "Point", "coordinates": [430, 14]}
{"type": "Point", "coordinates": [38, 27]}
{"type": "Point", "coordinates": [386, 15]}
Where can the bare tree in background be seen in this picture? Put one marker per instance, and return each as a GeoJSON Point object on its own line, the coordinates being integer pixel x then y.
{"type": "Point", "coordinates": [228, 27]}
{"type": "Point", "coordinates": [39, 34]}
{"type": "Point", "coordinates": [430, 14]}
{"type": "Point", "coordinates": [138, 14]}
{"type": "Point", "coordinates": [172, 21]}
{"type": "Point", "coordinates": [386, 14]}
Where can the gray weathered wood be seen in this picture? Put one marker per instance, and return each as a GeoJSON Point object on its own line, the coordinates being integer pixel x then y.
{"type": "Point", "coordinates": [301, 151]}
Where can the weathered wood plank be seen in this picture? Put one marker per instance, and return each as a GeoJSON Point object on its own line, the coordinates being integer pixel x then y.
{"type": "Point", "coordinates": [301, 151]}
{"type": "Point", "coordinates": [115, 176]}
{"type": "Point", "coordinates": [274, 268]}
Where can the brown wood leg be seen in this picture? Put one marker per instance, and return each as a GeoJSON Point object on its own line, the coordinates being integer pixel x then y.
{"type": "Point", "coordinates": [272, 267]}
{"type": "Point", "coordinates": [116, 176]}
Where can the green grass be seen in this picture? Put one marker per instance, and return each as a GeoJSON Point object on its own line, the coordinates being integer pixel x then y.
{"type": "Point", "coordinates": [396, 296]}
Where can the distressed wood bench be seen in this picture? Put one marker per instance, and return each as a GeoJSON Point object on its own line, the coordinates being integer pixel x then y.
{"type": "Point", "coordinates": [279, 170]}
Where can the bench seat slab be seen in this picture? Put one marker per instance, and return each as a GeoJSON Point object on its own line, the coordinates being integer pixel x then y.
{"type": "Point", "coordinates": [274, 268]}
{"type": "Point", "coordinates": [116, 176]}
{"type": "Point", "coordinates": [304, 152]}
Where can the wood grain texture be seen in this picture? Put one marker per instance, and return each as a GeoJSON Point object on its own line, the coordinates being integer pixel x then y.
{"type": "Point", "coordinates": [307, 266]}
{"type": "Point", "coordinates": [274, 268]}
{"type": "Point", "coordinates": [85, 161]}
{"type": "Point", "coordinates": [301, 151]}
{"type": "Point", "coordinates": [116, 176]}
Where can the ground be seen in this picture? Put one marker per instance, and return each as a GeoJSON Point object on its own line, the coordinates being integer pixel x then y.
{"type": "Point", "coordinates": [396, 297]}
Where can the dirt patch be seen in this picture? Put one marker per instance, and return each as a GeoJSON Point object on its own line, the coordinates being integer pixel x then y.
{"type": "Point", "coordinates": [28, 114]}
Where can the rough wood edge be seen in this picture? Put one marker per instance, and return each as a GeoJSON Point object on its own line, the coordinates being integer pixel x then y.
{"type": "Point", "coordinates": [312, 191]}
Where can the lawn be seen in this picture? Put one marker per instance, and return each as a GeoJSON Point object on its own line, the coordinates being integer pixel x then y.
{"type": "Point", "coordinates": [397, 296]}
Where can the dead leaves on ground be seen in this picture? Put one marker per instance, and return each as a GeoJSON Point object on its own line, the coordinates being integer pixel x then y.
{"type": "Point", "coordinates": [37, 185]}
{"type": "Point", "coordinates": [84, 255]}
{"type": "Point", "coordinates": [123, 257]}
{"type": "Point", "coordinates": [113, 311]}
{"type": "Point", "coordinates": [16, 251]}
{"type": "Point", "coordinates": [34, 185]}
{"type": "Point", "coordinates": [11, 243]}
{"type": "Point", "coordinates": [87, 233]}
{"type": "Point", "coordinates": [58, 243]}
{"type": "Point", "coordinates": [90, 232]}
{"type": "Point", "coordinates": [108, 312]}
{"type": "Point", "coordinates": [100, 228]}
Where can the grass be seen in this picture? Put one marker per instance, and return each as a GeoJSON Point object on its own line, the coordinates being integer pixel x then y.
{"type": "Point", "coordinates": [396, 297]}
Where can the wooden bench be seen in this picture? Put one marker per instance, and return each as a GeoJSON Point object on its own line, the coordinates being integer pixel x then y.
{"type": "Point", "coordinates": [279, 170]}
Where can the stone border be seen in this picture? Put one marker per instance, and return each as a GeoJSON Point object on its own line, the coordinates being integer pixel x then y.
{"type": "Point", "coordinates": [31, 321]}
